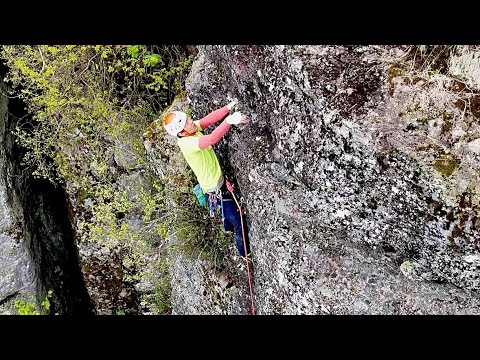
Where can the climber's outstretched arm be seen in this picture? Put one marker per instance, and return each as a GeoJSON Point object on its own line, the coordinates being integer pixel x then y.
{"type": "Point", "coordinates": [216, 115]}
{"type": "Point", "coordinates": [211, 139]}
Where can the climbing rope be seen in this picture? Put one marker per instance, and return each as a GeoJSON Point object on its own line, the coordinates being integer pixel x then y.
{"type": "Point", "coordinates": [230, 188]}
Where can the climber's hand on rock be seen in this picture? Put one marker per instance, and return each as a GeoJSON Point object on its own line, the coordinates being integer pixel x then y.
{"type": "Point", "coordinates": [237, 118]}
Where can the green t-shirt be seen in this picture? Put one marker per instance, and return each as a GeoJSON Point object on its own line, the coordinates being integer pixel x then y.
{"type": "Point", "coordinates": [203, 162]}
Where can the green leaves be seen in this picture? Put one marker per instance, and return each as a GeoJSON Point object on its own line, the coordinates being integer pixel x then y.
{"type": "Point", "coordinates": [133, 51]}
{"type": "Point", "coordinates": [86, 102]}
{"type": "Point", "coordinates": [30, 308]}
{"type": "Point", "coordinates": [151, 60]}
{"type": "Point", "coordinates": [46, 301]}
{"type": "Point", "coordinates": [26, 308]}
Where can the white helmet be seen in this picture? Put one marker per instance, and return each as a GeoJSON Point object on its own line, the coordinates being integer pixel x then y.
{"type": "Point", "coordinates": [175, 122]}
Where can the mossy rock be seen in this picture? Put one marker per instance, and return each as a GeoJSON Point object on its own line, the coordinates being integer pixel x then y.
{"type": "Point", "coordinates": [181, 95]}
{"type": "Point", "coordinates": [446, 164]}
{"type": "Point", "coordinates": [393, 71]}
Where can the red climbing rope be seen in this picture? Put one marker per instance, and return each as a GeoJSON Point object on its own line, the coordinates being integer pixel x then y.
{"type": "Point", "coordinates": [230, 188]}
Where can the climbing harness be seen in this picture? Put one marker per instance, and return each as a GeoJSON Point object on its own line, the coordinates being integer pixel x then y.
{"type": "Point", "coordinates": [230, 188]}
{"type": "Point", "coordinates": [215, 199]}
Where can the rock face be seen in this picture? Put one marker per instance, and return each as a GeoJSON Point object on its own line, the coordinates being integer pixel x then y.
{"type": "Point", "coordinates": [345, 214]}
{"type": "Point", "coordinates": [37, 248]}
{"type": "Point", "coordinates": [18, 279]}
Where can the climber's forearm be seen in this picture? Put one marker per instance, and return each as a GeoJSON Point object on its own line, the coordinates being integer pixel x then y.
{"type": "Point", "coordinates": [214, 137]}
{"type": "Point", "coordinates": [213, 117]}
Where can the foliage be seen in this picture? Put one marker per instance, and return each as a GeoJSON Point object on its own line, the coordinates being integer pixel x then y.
{"type": "Point", "coordinates": [87, 96]}
{"type": "Point", "coordinates": [46, 302]}
{"type": "Point", "coordinates": [170, 211]}
{"type": "Point", "coordinates": [30, 308]}
{"type": "Point", "coordinates": [133, 51]}
{"type": "Point", "coordinates": [152, 60]}
{"type": "Point", "coordinates": [195, 232]}
{"type": "Point", "coordinates": [163, 288]}
{"type": "Point", "coordinates": [83, 102]}
{"type": "Point", "coordinates": [26, 308]}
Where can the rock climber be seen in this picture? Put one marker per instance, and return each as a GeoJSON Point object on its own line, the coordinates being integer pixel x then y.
{"type": "Point", "coordinates": [198, 152]}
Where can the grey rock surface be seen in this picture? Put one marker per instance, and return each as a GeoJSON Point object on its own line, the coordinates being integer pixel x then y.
{"type": "Point", "coordinates": [346, 215]}
{"type": "Point", "coordinates": [17, 270]}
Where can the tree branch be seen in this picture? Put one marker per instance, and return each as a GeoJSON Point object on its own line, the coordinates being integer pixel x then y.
{"type": "Point", "coordinates": [43, 60]}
